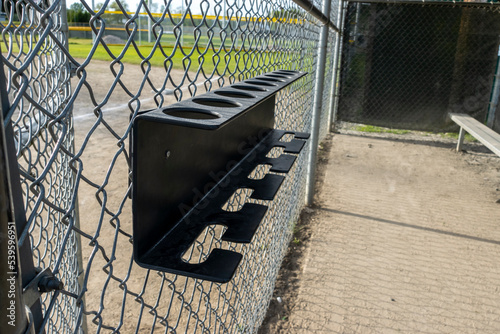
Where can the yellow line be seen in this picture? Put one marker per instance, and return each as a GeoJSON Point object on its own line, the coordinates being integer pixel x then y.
{"type": "Point", "coordinates": [213, 17]}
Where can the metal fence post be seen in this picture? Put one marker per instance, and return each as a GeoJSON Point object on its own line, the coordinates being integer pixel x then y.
{"type": "Point", "coordinates": [317, 104]}
{"type": "Point", "coordinates": [12, 312]}
{"type": "Point", "coordinates": [336, 70]}
{"type": "Point", "coordinates": [495, 95]}
{"type": "Point", "coordinates": [23, 270]}
{"type": "Point", "coordinates": [79, 257]}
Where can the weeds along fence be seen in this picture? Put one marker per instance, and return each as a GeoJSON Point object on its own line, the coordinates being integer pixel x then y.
{"type": "Point", "coordinates": [67, 107]}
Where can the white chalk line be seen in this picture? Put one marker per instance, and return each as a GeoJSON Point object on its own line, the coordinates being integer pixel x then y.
{"type": "Point", "coordinates": [124, 106]}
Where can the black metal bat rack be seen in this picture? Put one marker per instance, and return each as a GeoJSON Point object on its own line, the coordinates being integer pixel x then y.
{"type": "Point", "coordinates": [189, 158]}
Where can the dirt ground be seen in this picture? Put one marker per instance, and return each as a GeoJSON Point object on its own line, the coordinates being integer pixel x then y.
{"type": "Point", "coordinates": [105, 169]}
{"type": "Point", "coordinates": [107, 255]}
{"type": "Point", "coordinates": [404, 236]}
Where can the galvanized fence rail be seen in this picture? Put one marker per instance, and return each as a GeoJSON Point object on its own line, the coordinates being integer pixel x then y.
{"type": "Point", "coordinates": [72, 101]}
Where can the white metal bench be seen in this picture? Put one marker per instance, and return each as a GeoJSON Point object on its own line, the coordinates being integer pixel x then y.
{"type": "Point", "coordinates": [481, 132]}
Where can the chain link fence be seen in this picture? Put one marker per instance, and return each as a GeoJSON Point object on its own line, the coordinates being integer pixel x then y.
{"type": "Point", "coordinates": [72, 101]}
{"type": "Point", "coordinates": [406, 65]}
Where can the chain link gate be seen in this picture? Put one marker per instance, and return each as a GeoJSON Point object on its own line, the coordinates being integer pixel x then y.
{"type": "Point", "coordinates": [406, 65]}
{"type": "Point", "coordinates": [72, 102]}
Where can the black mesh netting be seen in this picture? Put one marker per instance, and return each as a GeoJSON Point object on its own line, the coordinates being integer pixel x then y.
{"type": "Point", "coordinates": [407, 66]}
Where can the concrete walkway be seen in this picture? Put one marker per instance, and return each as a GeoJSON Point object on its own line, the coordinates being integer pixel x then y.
{"type": "Point", "coordinates": [406, 240]}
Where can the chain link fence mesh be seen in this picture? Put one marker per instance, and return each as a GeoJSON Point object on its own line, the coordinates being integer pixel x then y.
{"type": "Point", "coordinates": [407, 65]}
{"type": "Point", "coordinates": [72, 103]}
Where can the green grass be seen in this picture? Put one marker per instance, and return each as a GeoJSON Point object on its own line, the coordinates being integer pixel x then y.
{"type": "Point", "coordinates": [194, 58]}
{"type": "Point", "coordinates": [454, 135]}
{"type": "Point", "coordinates": [377, 129]}
{"type": "Point", "coordinates": [189, 40]}
{"type": "Point", "coordinates": [80, 48]}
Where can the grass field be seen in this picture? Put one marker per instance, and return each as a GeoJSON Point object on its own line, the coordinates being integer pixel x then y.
{"type": "Point", "coordinates": [80, 48]}
{"type": "Point", "coordinates": [189, 56]}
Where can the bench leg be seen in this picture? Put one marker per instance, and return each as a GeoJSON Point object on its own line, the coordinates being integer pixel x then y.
{"type": "Point", "coordinates": [461, 136]}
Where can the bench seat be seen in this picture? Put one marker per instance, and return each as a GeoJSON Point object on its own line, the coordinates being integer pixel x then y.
{"type": "Point", "coordinates": [481, 132]}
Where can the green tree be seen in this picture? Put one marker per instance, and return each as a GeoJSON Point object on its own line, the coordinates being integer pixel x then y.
{"type": "Point", "coordinates": [114, 7]}
{"type": "Point", "coordinates": [78, 13]}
